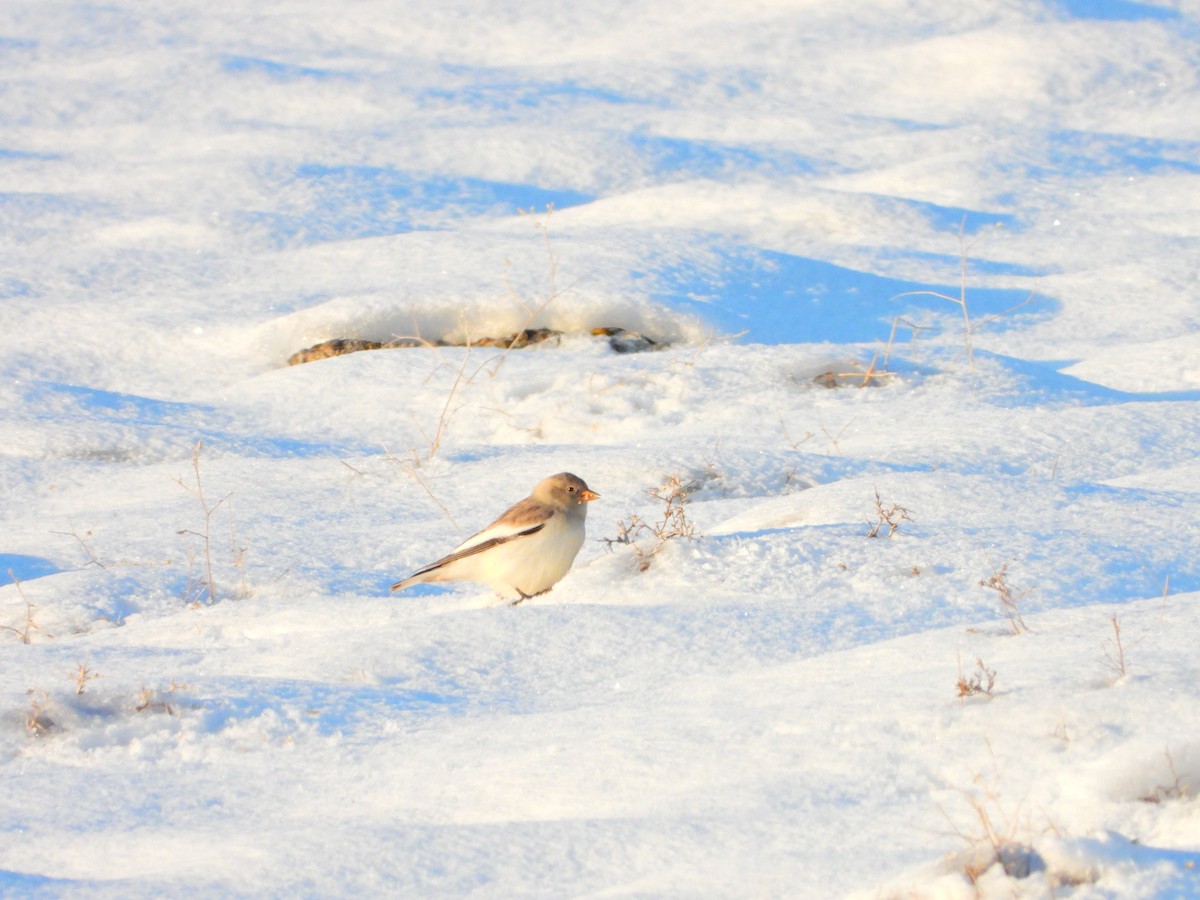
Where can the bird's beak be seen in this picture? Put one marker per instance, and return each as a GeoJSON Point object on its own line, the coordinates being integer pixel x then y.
{"type": "Point", "coordinates": [588, 496]}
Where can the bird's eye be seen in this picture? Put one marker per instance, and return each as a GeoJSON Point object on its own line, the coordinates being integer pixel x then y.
{"type": "Point", "coordinates": [570, 489]}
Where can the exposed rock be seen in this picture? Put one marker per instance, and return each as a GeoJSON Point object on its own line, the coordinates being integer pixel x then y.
{"type": "Point", "coordinates": [520, 339]}
{"type": "Point", "coordinates": [335, 347]}
{"type": "Point", "coordinates": [621, 340]}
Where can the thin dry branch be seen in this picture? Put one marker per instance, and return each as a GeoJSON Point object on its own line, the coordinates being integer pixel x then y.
{"type": "Point", "coordinates": [833, 439]}
{"type": "Point", "coordinates": [891, 516]}
{"type": "Point", "coordinates": [411, 467]}
{"type": "Point", "coordinates": [37, 721]}
{"type": "Point", "coordinates": [1176, 790]}
{"type": "Point", "coordinates": [27, 629]}
{"type": "Point", "coordinates": [207, 510]}
{"type": "Point", "coordinates": [981, 681]}
{"type": "Point", "coordinates": [447, 414]}
{"type": "Point", "coordinates": [1001, 315]}
{"type": "Point", "coordinates": [960, 301]}
{"type": "Point", "coordinates": [1114, 651]}
{"type": "Point", "coordinates": [673, 524]}
{"type": "Point", "coordinates": [896, 321]}
{"type": "Point", "coordinates": [869, 373]}
{"type": "Point", "coordinates": [1010, 598]}
{"type": "Point", "coordinates": [81, 676]}
{"type": "Point", "coordinates": [92, 558]}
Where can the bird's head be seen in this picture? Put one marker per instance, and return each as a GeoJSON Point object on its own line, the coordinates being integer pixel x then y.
{"type": "Point", "coordinates": [564, 490]}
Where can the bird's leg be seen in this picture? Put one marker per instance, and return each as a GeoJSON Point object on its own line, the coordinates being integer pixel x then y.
{"type": "Point", "coordinates": [524, 596]}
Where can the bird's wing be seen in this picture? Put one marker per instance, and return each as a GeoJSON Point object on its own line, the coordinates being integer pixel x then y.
{"type": "Point", "coordinates": [525, 518]}
{"type": "Point", "coordinates": [472, 547]}
{"type": "Point", "coordinates": [514, 521]}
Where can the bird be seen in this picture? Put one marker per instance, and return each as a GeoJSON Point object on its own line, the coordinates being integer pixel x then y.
{"type": "Point", "coordinates": [527, 550]}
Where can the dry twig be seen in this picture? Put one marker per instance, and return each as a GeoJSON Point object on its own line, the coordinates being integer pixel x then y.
{"type": "Point", "coordinates": [673, 524]}
{"type": "Point", "coordinates": [81, 676]}
{"type": "Point", "coordinates": [981, 681]}
{"type": "Point", "coordinates": [1010, 598]}
{"type": "Point", "coordinates": [892, 516]}
{"type": "Point", "coordinates": [26, 630]}
{"type": "Point", "coordinates": [205, 589]}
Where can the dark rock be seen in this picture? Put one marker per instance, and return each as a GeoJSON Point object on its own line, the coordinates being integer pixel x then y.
{"type": "Point", "coordinates": [619, 339]}
{"type": "Point", "coordinates": [520, 339]}
{"type": "Point", "coordinates": [623, 341]}
{"type": "Point", "coordinates": [335, 347]}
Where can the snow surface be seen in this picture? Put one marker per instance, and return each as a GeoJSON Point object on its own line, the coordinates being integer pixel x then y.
{"type": "Point", "coordinates": [191, 192]}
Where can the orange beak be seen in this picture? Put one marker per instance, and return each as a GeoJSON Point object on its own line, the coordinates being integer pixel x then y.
{"type": "Point", "coordinates": [588, 496]}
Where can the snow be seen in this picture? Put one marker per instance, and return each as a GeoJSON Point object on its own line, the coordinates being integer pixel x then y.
{"type": "Point", "coordinates": [782, 706]}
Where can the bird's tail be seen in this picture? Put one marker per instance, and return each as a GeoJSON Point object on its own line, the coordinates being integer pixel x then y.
{"type": "Point", "coordinates": [429, 573]}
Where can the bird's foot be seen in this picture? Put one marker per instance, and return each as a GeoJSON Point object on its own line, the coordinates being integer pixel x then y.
{"type": "Point", "coordinates": [524, 596]}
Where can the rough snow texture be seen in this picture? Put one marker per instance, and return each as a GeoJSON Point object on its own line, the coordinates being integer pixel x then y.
{"type": "Point", "coordinates": [191, 193]}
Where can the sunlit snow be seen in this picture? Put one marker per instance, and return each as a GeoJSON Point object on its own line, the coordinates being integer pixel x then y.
{"type": "Point", "coordinates": [913, 264]}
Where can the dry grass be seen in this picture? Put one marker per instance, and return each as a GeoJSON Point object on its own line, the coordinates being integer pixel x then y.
{"type": "Point", "coordinates": [449, 409]}
{"type": "Point", "coordinates": [412, 468]}
{"type": "Point", "coordinates": [1178, 789]}
{"type": "Point", "coordinates": [152, 700]}
{"type": "Point", "coordinates": [93, 558]}
{"type": "Point", "coordinates": [26, 629]}
{"type": "Point", "coordinates": [980, 682]}
{"type": "Point", "coordinates": [969, 329]}
{"type": "Point", "coordinates": [648, 537]}
{"type": "Point", "coordinates": [1010, 598]}
{"type": "Point", "coordinates": [1114, 652]}
{"type": "Point", "coordinates": [204, 589]}
{"type": "Point", "coordinates": [994, 837]}
{"type": "Point", "coordinates": [914, 330]}
{"type": "Point", "coordinates": [81, 676]}
{"type": "Point", "coordinates": [37, 721]}
{"type": "Point", "coordinates": [891, 516]}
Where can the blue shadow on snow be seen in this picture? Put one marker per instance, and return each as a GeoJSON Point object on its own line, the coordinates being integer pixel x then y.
{"type": "Point", "coordinates": [126, 406]}
{"type": "Point", "coordinates": [1098, 153]}
{"type": "Point", "coordinates": [778, 298]}
{"type": "Point", "coordinates": [277, 71]}
{"type": "Point", "coordinates": [334, 708]}
{"type": "Point", "coordinates": [348, 202]}
{"type": "Point", "coordinates": [710, 159]}
{"type": "Point", "coordinates": [24, 568]}
{"type": "Point", "coordinates": [190, 422]}
{"type": "Point", "coordinates": [1047, 384]}
{"type": "Point", "coordinates": [7, 153]}
{"type": "Point", "coordinates": [1117, 10]}
{"type": "Point", "coordinates": [25, 884]}
{"type": "Point", "coordinates": [496, 89]}
{"type": "Point", "coordinates": [954, 218]}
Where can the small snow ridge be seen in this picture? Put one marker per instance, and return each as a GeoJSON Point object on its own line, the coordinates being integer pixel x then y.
{"type": "Point", "coordinates": [367, 323]}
